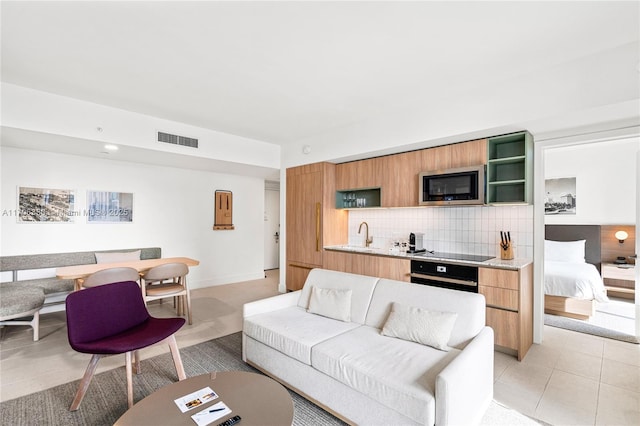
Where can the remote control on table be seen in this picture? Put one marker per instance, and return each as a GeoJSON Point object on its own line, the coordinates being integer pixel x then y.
{"type": "Point", "coordinates": [232, 421]}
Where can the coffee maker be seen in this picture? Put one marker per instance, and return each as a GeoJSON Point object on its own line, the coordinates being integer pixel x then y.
{"type": "Point", "coordinates": [416, 243]}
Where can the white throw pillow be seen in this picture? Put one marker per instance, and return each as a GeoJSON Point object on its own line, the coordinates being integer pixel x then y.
{"type": "Point", "coordinates": [431, 328]}
{"type": "Point", "coordinates": [331, 302]}
{"type": "Point", "coordinates": [115, 257]}
{"type": "Point", "coordinates": [564, 251]}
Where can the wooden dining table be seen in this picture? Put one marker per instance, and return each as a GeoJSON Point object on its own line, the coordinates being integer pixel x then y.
{"type": "Point", "coordinates": [79, 272]}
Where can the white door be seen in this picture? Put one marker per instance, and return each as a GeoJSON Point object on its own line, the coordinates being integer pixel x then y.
{"type": "Point", "coordinates": [271, 228]}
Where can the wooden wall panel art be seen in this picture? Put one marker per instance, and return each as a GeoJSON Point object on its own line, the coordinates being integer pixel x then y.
{"type": "Point", "coordinates": [223, 219]}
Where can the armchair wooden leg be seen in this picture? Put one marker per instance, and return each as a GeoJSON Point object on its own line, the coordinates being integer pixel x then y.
{"type": "Point", "coordinates": [84, 383]}
{"type": "Point", "coordinates": [136, 362]}
{"type": "Point", "coordinates": [188, 296]}
{"type": "Point", "coordinates": [127, 357]}
{"type": "Point", "coordinates": [175, 354]}
{"type": "Point", "coordinates": [36, 326]}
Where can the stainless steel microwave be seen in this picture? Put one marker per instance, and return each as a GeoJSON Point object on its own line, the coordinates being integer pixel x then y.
{"type": "Point", "coordinates": [451, 187]}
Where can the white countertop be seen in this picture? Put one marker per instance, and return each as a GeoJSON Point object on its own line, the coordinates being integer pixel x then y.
{"type": "Point", "coordinates": [517, 263]}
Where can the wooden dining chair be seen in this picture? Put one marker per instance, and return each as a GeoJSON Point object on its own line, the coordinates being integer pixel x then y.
{"type": "Point", "coordinates": [113, 319]}
{"type": "Point", "coordinates": [168, 280]}
{"type": "Point", "coordinates": [110, 275]}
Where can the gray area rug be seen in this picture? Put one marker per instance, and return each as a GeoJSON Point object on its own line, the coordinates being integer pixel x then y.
{"type": "Point", "coordinates": [106, 399]}
{"type": "Point", "coordinates": [583, 327]}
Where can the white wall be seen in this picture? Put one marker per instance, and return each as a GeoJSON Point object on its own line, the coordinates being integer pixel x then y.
{"type": "Point", "coordinates": [606, 182]}
{"type": "Point", "coordinates": [173, 209]}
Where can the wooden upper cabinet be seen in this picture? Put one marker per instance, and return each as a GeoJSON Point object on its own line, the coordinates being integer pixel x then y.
{"type": "Point", "coordinates": [400, 179]}
{"type": "Point", "coordinates": [463, 154]}
{"type": "Point", "coordinates": [438, 158]}
{"type": "Point", "coordinates": [358, 174]}
{"type": "Point", "coordinates": [468, 154]}
{"type": "Point", "coordinates": [397, 175]}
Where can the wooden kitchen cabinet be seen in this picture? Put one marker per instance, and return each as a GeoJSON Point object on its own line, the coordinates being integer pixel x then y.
{"type": "Point", "coordinates": [358, 174]}
{"type": "Point", "coordinates": [365, 264]}
{"type": "Point", "coordinates": [397, 175]}
{"type": "Point", "coordinates": [400, 179]}
{"type": "Point", "coordinates": [312, 220]}
{"type": "Point", "coordinates": [509, 297]}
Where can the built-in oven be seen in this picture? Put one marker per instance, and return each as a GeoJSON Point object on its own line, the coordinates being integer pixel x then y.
{"type": "Point", "coordinates": [445, 275]}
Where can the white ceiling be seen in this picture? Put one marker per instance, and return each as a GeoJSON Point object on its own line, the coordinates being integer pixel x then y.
{"type": "Point", "coordinates": [282, 72]}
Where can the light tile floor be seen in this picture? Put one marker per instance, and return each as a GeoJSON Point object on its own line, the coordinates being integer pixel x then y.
{"type": "Point", "coordinates": [569, 379]}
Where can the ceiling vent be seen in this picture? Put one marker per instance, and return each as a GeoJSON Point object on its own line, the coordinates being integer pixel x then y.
{"type": "Point", "coordinates": [177, 140]}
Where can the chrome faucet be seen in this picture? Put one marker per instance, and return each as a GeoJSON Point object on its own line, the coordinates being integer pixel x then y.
{"type": "Point", "coordinates": [367, 240]}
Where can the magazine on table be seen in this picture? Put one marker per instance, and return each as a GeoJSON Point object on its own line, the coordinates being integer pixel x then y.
{"type": "Point", "coordinates": [195, 399]}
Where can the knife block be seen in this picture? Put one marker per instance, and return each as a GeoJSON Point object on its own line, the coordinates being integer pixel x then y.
{"type": "Point", "coordinates": [506, 253]}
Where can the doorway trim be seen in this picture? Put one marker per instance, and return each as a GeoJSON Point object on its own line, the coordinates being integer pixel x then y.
{"type": "Point", "coordinates": [541, 144]}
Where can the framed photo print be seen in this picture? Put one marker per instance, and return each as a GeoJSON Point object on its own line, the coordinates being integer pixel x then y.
{"type": "Point", "coordinates": [45, 205]}
{"type": "Point", "coordinates": [109, 207]}
{"type": "Point", "coordinates": [560, 196]}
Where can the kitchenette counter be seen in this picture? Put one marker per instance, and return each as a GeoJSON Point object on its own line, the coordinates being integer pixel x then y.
{"type": "Point", "coordinates": [514, 264]}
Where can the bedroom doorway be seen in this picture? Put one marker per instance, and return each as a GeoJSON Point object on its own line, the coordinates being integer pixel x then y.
{"type": "Point", "coordinates": [604, 176]}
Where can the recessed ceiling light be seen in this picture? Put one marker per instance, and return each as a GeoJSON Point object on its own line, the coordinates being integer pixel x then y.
{"type": "Point", "coordinates": [111, 147]}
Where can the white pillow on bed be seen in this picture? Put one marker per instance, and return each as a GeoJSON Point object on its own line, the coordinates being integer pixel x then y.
{"type": "Point", "coordinates": [564, 251]}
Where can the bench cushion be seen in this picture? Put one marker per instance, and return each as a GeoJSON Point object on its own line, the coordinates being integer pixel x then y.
{"type": "Point", "coordinates": [293, 331]}
{"type": "Point", "coordinates": [16, 299]}
{"type": "Point", "coordinates": [48, 285]}
{"type": "Point", "coordinates": [398, 374]}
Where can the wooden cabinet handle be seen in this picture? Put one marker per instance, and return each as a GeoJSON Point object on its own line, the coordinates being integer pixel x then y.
{"type": "Point", "coordinates": [318, 205]}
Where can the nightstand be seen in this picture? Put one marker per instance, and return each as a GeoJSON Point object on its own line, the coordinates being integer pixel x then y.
{"type": "Point", "coordinates": [619, 280]}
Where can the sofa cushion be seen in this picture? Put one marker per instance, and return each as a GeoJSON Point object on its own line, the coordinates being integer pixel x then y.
{"type": "Point", "coordinates": [397, 373]}
{"type": "Point", "coordinates": [470, 307]}
{"type": "Point", "coordinates": [331, 302]}
{"type": "Point", "coordinates": [361, 286]}
{"type": "Point", "coordinates": [431, 328]}
{"type": "Point", "coordinates": [293, 331]}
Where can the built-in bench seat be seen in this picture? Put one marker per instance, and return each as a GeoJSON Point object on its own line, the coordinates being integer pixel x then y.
{"type": "Point", "coordinates": [38, 271]}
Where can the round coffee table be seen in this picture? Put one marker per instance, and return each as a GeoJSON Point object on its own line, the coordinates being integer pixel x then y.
{"type": "Point", "coordinates": [258, 399]}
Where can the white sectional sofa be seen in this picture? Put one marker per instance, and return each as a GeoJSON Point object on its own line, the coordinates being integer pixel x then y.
{"type": "Point", "coordinates": [351, 368]}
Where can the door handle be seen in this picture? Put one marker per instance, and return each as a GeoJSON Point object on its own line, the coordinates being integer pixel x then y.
{"type": "Point", "coordinates": [318, 226]}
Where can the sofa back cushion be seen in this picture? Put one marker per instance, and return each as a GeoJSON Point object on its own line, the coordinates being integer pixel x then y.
{"type": "Point", "coordinates": [470, 307]}
{"type": "Point", "coordinates": [361, 288]}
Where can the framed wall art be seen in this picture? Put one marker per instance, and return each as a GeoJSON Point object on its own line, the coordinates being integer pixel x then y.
{"type": "Point", "coordinates": [46, 205]}
{"type": "Point", "coordinates": [560, 196]}
{"type": "Point", "coordinates": [109, 207]}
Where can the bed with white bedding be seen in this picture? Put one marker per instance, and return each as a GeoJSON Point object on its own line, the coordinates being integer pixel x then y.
{"type": "Point", "coordinates": [573, 279]}
{"type": "Point", "coordinates": [572, 286]}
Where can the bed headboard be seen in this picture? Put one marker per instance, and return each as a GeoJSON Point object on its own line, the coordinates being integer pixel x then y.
{"type": "Point", "coordinates": [591, 233]}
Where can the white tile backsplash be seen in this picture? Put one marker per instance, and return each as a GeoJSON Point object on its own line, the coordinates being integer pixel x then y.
{"type": "Point", "coordinates": [471, 229]}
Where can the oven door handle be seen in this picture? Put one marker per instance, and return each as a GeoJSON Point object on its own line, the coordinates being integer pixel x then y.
{"type": "Point", "coordinates": [445, 279]}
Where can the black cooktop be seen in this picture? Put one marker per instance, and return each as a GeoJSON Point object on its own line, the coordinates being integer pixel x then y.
{"type": "Point", "coordinates": [455, 256]}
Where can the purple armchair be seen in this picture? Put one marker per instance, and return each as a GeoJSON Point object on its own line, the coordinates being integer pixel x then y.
{"type": "Point", "coordinates": [113, 319]}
